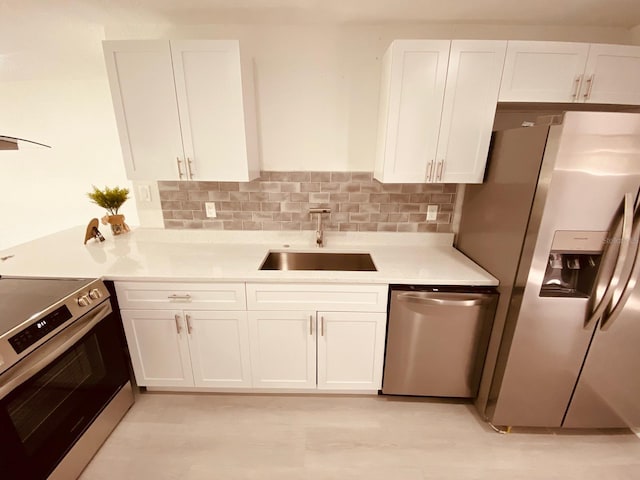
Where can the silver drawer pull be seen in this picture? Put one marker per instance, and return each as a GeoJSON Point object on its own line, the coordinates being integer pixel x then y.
{"type": "Point", "coordinates": [430, 300]}
{"type": "Point", "coordinates": [179, 298]}
{"type": "Point", "coordinates": [177, 319]}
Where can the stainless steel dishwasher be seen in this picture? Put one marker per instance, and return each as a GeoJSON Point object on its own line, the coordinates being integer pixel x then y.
{"type": "Point", "coordinates": [437, 340]}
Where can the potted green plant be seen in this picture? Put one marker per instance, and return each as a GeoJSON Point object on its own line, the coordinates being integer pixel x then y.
{"type": "Point", "coordinates": [111, 199]}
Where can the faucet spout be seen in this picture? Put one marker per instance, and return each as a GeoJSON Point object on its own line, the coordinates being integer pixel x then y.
{"type": "Point", "coordinates": [319, 231]}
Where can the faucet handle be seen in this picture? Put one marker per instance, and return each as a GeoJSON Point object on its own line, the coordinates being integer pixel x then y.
{"type": "Point", "coordinates": [319, 210]}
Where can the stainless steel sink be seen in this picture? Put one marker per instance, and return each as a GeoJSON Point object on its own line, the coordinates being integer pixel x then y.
{"type": "Point", "coordinates": [353, 262]}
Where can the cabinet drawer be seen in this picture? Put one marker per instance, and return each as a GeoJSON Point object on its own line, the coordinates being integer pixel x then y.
{"type": "Point", "coordinates": [192, 296]}
{"type": "Point", "coordinates": [339, 297]}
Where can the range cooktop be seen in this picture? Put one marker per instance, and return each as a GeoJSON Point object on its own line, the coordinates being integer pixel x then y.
{"type": "Point", "coordinates": [22, 298]}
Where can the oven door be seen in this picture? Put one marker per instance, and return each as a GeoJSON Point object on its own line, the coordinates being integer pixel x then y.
{"type": "Point", "coordinates": [49, 398]}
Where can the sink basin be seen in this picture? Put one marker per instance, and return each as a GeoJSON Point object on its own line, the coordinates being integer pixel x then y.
{"type": "Point", "coordinates": [352, 262]}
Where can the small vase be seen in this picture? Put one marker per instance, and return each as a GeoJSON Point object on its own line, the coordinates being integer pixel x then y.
{"type": "Point", "coordinates": [117, 224]}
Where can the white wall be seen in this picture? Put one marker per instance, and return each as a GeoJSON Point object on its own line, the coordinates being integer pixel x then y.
{"type": "Point", "coordinates": [53, 89]}
{"type": "Point", "coordinates": [317, 96]}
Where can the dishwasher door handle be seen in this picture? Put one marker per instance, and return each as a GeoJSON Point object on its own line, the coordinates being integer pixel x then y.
{"type": "Point", "coordinates": [428, 299]}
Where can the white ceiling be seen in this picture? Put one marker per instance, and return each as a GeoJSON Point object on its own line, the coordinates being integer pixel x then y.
{"type": "Point", "coordinates": [595, 13]}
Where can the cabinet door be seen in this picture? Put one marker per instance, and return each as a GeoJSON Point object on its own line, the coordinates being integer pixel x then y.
{"type": "Point", "coordinates": [411, 96]}
{"type": "Point", "coordinates": [470, 99]}
{"type": "Point", "coordinates": [144, 100]}
{"type": "Point", "coordinates": [283, 349]}
{"type": "Point", "coordinates": [209, 87]}
{"type": "Point", "coordinates": [219, 345]}
{"type": "Point", "coordinates": [543, 71]}
{"type": "Point", "coordinates": [159, 347]}
{"type": "Point", "coordinates": [350, 350]}
{"type": "Point", "coordinates": [612, 75]}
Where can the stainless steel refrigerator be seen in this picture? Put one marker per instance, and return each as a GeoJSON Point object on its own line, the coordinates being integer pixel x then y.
{"type": "Point", "coordinates": [557, 222]}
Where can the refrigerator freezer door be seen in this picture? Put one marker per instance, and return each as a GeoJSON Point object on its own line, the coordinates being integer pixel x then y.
{"type": "Point", "coordinates": [592, 160]}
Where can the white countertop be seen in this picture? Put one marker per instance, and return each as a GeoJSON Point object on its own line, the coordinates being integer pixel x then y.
{"type": "Point", "coordinates": [205, 255]}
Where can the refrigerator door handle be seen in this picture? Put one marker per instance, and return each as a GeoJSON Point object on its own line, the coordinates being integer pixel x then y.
{"type": "Point", "coordinates": [627, 226]}
{"type": "Point", "coordinates": [614, 310]}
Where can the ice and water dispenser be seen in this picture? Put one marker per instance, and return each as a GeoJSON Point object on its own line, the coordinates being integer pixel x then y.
{"type": "Point", "coordinates": [573, 264]}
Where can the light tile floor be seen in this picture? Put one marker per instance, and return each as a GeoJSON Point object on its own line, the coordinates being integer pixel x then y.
{"type": "Point", "coordinates": [220, 436]}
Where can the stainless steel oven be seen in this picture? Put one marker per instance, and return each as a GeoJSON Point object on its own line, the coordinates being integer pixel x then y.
{"type": "Point", "coordinates": [64, 384]}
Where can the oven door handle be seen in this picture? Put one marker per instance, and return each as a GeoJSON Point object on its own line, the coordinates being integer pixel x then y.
{"type": "Point", "coordinates": [51, 350]}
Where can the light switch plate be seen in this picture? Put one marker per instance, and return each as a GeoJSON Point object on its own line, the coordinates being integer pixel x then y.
{"type": "Point", "coordinates": [211, 209]}
{"type": "Point", "coordinates": [144, 192]}
{"type": "Point", "coordinates": [432, 213]}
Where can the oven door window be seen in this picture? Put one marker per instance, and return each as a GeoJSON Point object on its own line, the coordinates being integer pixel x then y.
{"type": "Point", "coordinates": [49, 412]}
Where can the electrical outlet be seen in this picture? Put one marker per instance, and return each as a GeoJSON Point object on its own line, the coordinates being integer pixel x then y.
{"type": "Point", "coordinates": [211, 209]}
{"type": "Point", "coordinates": [432, 213]}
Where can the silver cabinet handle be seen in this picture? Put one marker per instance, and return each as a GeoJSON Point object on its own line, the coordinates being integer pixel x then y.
{"type": "Point", "coordinates": [310, 324]}
{"type": "Point", "coordinates": [178, 161]}
{"type": "Point", "coordinates": [576, 87]}
{"type": "Point", "coordinates": [189, 171]}
{"type": "Point", "coordinates": [179, 298]}
{"type": "Point", "coordinates": [176, 317]}
{"type": "Point", "coordinates": [430, 171]}
{"type": "Point", "coordinates": [440, 168]}
{"type": "Point", "coordinates": [189, 326]}
{"type": "Point", "coordinates": [589, 82]}
{"type": "Point", "coordinates": [428, 299]}
{"type": "Point", "coordinates": [322, 326]}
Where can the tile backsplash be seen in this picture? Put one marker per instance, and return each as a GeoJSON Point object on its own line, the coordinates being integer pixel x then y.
{"type": "Point", "coordinates": [281, 201]}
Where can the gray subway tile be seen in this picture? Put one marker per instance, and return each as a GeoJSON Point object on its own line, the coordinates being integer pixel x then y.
{"type": "Point", "coordinates": [392, 187]}
{"type": "Point", "coordinates": [369, 208]}
{"type": "Point", "coordinates": [192, 205]}
{"type": "Point", "coordinates": [339, 197]}
{"type": "Point", "coordinates": [212, 224]}
{"type": "Point", "coordinates": [349, 207]}
{"type": "Point", "coordinates": [359, 197]}
{"type": "Point", "coordinates": [222, 196]}
{"type": "Point", "coordinates": [330, 187]}
{"type": "Point", "coordinates": [270, 206]}
{"type": "Point", "coordinates": [310, 187]}
{"type": "Point", "coordinates": [243, 215]}
{"type": "Point", "coordinates": [348, 227]}
{"type": "Point", "coordinates": [320, 176]}
{"type": "Point", "coordinates": [359, 217]}
{"type": "Point", "coordinates": [229, 186]}
{"type": "Point", "coordinates": [250, 225]}
{"type": "Point", "coordinates": [250, 206]}
{"type": "Point", "coordinates": [361, 176]}
{"type": "Point", "coordinates": [398, 217]}
{"type": "Point", "coordinates": [441, 198]}
{"type": "Point", "coordinates": [341, 177]}
{"type": "Point", "coordinates": [239, 196]}
{"type": "Point", "coordinates": [427, 227]}
{"type": "Point", "coordinates": [279, 197]}
{"type": "Point", "coordinates": [407, 227]}
{"type": "Point", "coordinates": [387, 227]}
{"type": "Point", "coordinates": [379, 197]}
{"type": "Point", "coordinates": [270, 225]}
{"type": "Point", "coordinates": [367, 227]}
{"type": "Point", "coordinates": [299, 197]}
{"type": "Point", "coordinates": [258, 196]}
{"type": "Point", "coordinates": [409, 207]}
{"type": "Point", "coordinates": [350, 187]}
{"type": "Point", "coordinates": [319, 197]}
{"type": "Point", "coordinates": [174, 224]}
{"type": "Point", "coordinates": [232, 224]}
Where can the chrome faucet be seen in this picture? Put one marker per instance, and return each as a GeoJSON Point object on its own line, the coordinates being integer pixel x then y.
{"type": "Point", "coordinates": [319, 232]}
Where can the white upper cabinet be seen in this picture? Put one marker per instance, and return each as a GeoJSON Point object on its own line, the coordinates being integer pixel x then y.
{"type": "Point", "coordinates": [184, 109]}
{"type": "Point", "coordinates": [565, 72]}
{"type": "Point", "coordinates": [414, 73]}
{"type": "Point", "coordinates": [470, 99]}
{"type": "Point", "coordinates": [543, 71]}
{"type": "Point", "coordinates": [612, 75]}
{"type": "Point", "coordinates": [437, 103]}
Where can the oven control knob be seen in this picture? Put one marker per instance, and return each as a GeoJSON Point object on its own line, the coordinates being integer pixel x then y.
{"type": "Point", "coordinates": [95, 294]}
{"type": "Point", "coordinates": [84, 301]}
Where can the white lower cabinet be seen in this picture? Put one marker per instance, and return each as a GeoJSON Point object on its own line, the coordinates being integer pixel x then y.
{"type": "Point", "coordinates": [158, 347]}
{"type": "Point", "coordinates": [177, 348]}
{"type": "Point", "coordinates": [351, 350]}
{"type": "Point", "coordinates": [323, 350]}
{"type": "Point", "coordinates": [283, 349]}
{"type": "Point", "coordinates": [316, 337]}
